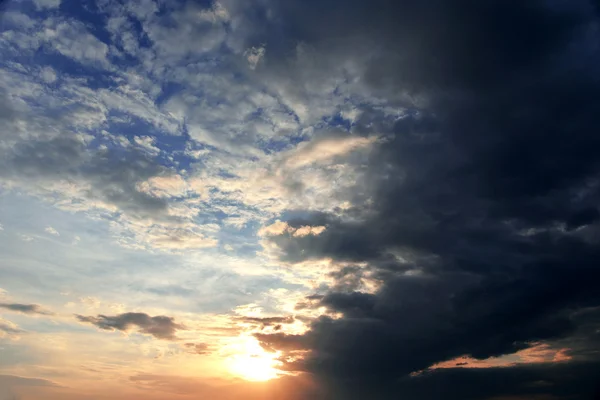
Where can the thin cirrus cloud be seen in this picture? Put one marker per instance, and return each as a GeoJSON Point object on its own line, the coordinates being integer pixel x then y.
{"type": "Point", "coordinates": [364, 199]}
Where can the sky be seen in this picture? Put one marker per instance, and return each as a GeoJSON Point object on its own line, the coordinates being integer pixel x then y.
{"type": "Point", "coordinates": [299, 199]}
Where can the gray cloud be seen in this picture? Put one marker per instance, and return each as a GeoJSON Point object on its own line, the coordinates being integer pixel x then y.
{"type": "Point", "coordinates": [111, 174]}
{"type": "Point", "coordinates": [161, 327]}
{"type": "Point", "coordinates": [25, 308]}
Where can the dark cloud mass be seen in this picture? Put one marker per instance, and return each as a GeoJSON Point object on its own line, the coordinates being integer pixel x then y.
{"type": "Point", "coordinates": [161, 327]}
{"type": "Point", "coordinates": [481, 223]}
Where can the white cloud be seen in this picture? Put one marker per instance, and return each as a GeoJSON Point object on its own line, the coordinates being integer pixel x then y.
{"type": "Point", "coordinates": [52, 231]}
{"type": "Point", "coordinates": [147, 143]}
{"type": "Point", "coordinates": [25, 238]}
{"type": "Point", "coordinates": [309, 231]}
{"type": "Point", "coordinates": [165, 186]}
{"type": "Point", "coordinates": [72, 40]}
{"type": "Point", "coordinates": [280, 227]}
{"type": "Point", "coordinates": [48, 74]}
{"type": "Point", "coordinates": [325, 149]}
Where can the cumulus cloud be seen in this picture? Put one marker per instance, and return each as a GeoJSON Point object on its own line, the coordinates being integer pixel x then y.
{"type": "Point", "coordinates": [161, 327]}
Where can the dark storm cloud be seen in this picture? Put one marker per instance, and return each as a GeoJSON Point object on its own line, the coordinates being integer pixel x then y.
{"type": "Point", "coordinates": [161, 327]}
{"type": "Point", "coordinates": [24, 308]}
{"type": "Point", "coordinates": [482, 220]}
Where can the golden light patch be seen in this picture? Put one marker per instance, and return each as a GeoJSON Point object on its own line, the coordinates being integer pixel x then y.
{"type": "Point", "coordinates": [251, 362]}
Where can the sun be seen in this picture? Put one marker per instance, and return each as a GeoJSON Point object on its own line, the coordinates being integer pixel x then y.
{"type": "Point", "coordinates": [252, 363]}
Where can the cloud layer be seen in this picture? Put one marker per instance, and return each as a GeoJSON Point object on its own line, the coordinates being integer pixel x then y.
{"type": "Point", "coordinates": [397, 199]}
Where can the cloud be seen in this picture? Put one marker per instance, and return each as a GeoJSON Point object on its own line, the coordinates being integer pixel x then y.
{"type": "Point", "coordinates": [48, 74]}
{"type": "Point", "coordinates": [8, 329]}
{"type": "Point", "coordinates": [426, 171]}
{"type": "Point", "coordinates": [25, 308]}
{"type": "Point", "coordinates": [325, 149]}
{"type": "Point", "coordinates": [71, 39]}
{"type": "Point", "coordinates": [197, 348]}
{"type": "Point", "coordinates": [161, 327]}
{"type": "Point", "coordinates": [254, 55]}
{"type": "Point", "coordinates": [52, 231]}
{"type": "Point", "coordinates": [147, 143]}
{"type": "Point", "coordinates": [165, 186]}
{"type": "Point", "coordinates": [279, 228]}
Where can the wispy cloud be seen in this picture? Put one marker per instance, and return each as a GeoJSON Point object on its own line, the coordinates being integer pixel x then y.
{"type": "Point", "coordinates": [25, 308]}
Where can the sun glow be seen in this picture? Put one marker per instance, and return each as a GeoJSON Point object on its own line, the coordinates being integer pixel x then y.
{"type": "Point", "coordinates": [252, 363]}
